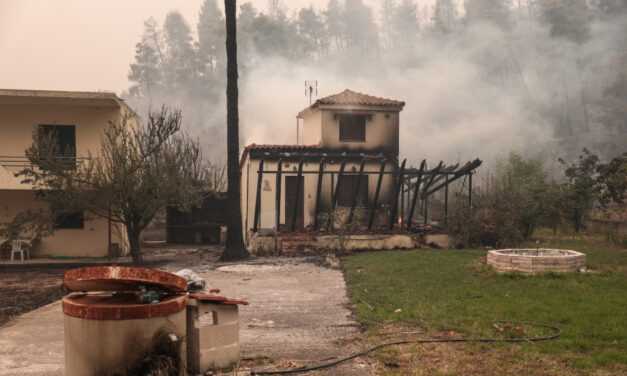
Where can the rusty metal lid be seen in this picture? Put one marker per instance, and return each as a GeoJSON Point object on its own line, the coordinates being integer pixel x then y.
{"type": "Point", "coordinates": [120, 306]}
{"type": "Point", "coordinates": [121, 278]}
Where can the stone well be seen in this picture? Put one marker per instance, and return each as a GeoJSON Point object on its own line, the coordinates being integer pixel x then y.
{"type": "Point", "coordinates": [536, 260]}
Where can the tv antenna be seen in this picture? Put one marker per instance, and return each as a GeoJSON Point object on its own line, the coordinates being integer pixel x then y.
{"type": "Point", "coordinates": [311, 89]}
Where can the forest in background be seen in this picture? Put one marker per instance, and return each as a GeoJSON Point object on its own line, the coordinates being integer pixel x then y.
{"type": "Point", "coordinates": [481, 78]}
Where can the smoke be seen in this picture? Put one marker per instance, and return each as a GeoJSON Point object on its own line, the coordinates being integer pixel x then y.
{"type": "Point", "coordinates": [481, 93]}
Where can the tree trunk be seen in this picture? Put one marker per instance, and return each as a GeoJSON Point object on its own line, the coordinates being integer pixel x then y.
{"type": "Point", "coordinates": [234, 249]}
{"type": "Point", "coordinates": [135, 245]}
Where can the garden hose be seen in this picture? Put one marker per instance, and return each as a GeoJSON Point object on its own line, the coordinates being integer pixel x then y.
{"type": "Point", "coordinates": [555, 333]}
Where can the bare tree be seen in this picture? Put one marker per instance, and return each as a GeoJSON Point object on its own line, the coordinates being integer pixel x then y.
{"type": "Point", "coordinates": [140, 169]}
{"type": "Point", "coordinates": [235, 248]}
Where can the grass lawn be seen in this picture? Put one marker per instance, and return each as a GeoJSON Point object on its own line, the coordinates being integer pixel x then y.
{"type": "Point", "coordinates": [452, 290]}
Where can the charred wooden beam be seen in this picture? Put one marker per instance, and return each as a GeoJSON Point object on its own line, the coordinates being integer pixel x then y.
{"type": "Point", "coordinates": [431, 179]}
{"type": "Point", "coordinates": [258, 197]}
{"type": "Point", "coordinates": [415, 196]}
{"type": "Point", "coordinates": [468, 167]}
{"type": "Point", "coordinates": [318, 193]}
{"type": "Point", "coordinates": [299, 186]}
{"type": "Point", "coordinates": [277, 205]}
{"type": "Point", "coordinates": [397, 190]}
{"type": "Point", "coordinates": [334, 196]}
{"type": "Point", "coordinates": [375, 202]}
{"type": "Point", "coordinates": [356, 192]}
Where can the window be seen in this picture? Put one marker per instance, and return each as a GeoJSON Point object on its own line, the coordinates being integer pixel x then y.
{"type": "Point", "coordinates": [348, 185]}
{"type": "Point", "coordinates": [72, 220]}
{"type": "Point", "coordinates": [352, 128]}
{"type": "Point", "coordinates": [64, 141]}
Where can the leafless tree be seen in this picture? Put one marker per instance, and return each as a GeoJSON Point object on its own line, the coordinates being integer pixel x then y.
{"type": "Point", "coordinates": [140, 169]}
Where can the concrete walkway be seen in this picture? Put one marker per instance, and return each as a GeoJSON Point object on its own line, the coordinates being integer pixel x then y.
{"type": "Point", "coordinates": [298, 311]}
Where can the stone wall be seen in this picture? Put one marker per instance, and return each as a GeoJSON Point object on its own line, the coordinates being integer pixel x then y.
{"type": "Point", "coordinates": [509, 260]}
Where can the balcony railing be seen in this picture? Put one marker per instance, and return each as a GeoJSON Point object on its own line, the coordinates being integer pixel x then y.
{"type": "Point", "coordinates": [21, 161]}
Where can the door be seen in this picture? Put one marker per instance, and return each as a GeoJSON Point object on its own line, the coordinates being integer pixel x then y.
{"type": "Point", "coordinates": [291, 199]}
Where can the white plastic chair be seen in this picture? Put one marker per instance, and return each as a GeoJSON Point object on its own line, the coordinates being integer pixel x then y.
{"type": "Point", "coordinates": [17, 246]}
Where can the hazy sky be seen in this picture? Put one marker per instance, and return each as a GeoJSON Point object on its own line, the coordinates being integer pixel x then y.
{"type": "Point", "coordinates": [83, 44]}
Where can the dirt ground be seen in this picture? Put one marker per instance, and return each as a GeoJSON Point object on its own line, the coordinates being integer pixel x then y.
{"type": "Point", "coordinates": [23, 291]}
{"type": "Point", "coordinates": [298, 314]}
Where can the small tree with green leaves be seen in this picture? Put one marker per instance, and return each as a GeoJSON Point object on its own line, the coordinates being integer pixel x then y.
{"type": "Point", "coordinates": [140, 169]}
{"type": "Point", "coordinates": [591, 182]}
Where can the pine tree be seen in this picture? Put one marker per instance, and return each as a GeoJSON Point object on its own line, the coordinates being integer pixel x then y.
{"type": "Point", "coordinates": [180, 64]}
{"type": "Point", "coordinates": [235, 249]}
{"type": "Point", "coordinates": [145, 72]}
{"type": "Point", "coordinates": [211, 34]}
{"type": "Point", "coordinates": [313, 38]}
{"type": "Point", "coordinates": [405, 23]}
{"type": "Point", "coordinates": [360, 29]}
{"type": "Point", "coordinates": [496, 12]}
{"type": "Point", "coordinates": [246, 33]}
{"type": "Point", "coordinates": [388, 11]}
{"type": "Point", "coordinates": [569, 19]}
{"type": "Point", "coordinates": [444, 16]}
{"type": "Point", "coordinates": [334, 18]}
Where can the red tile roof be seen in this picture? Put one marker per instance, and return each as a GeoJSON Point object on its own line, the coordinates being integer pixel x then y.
{"type": "Point", "coordinates": [349, 97]}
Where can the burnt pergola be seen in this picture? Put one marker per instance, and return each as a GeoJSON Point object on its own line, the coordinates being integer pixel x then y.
{"type": "Point", "coordinates": [415, 183]}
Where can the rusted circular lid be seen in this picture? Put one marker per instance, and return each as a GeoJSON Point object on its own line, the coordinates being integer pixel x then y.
{"type": "Point", "coordinates": [121, 278]}
{"type": "Point", "coordinates": [120, 307]}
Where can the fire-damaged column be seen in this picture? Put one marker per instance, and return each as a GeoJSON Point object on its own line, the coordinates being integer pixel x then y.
{"type": "Point", "coordinates": [397, 191]}
{"type": "Point", "coordinates": [318, 193]}
{"type": "Point", "coordinates": [415, 196]}
{"type": "Point", "coordinates": [375, 202]}
{"type": "Point", "coordinates": [258, 197]}
{"type": "Point", "coordinates": [299, 187]}
{"type": "Point", "coordinates": [356, 192]}
{"type": "Point", "coordinates": [334, 196]}
{"type": "Point", "coordinates": [277, 199]}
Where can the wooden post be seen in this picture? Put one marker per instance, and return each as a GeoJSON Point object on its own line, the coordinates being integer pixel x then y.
{"type": "Point", "coordinates": [334, 196]}
{"type": "Point", "coordinates": [446, 201]}
{"type": "Point", "coordinates": [258, 197]}
{"type": "Point", "coordinates": [356, 191]}
{"type": "Point", "coordinates": [298, 188]}
{"type": "Point", "coordinates": [470, 190]}
{"type": "Point", "coordinates": [277, 205]}
{"type": "Point", "coordinates": [402, 210]}
{"type": "Point", "coordinates": [415, 197]}
{"type": "Point", "coordinates": [318, 192]}
{"type": "Point", "coordinates": [397, 190]}
{"type": "Point", "coordinates": [373, 208]}
{"type": "Point", "coordinates": [426, 209]}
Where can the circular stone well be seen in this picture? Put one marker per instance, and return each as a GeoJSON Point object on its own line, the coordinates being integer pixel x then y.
{"type": "Point", "coordinates": [536, 260]}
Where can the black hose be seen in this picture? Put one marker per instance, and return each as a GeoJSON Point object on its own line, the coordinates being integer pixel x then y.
{"type": "Point", "coordinates": [555, 333]}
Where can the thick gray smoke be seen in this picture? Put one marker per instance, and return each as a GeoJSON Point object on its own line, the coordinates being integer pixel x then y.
{"type": "Point", "coordinates": [482, 95]}
{"type": "Point", "coordinates": [480, 91]}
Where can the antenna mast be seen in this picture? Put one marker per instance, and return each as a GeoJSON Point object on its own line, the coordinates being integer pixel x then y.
{"type": "Point", "coordinates": [311, 90]}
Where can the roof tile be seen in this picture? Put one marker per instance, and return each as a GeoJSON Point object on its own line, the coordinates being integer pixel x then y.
{"type": "Point", "coordinates": [349, 97]}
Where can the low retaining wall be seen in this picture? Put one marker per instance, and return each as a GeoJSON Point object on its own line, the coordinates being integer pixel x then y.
{"type": "Point", "coordinates": [534, 261]}
{"type": "Point", "coordinates": [301, 243]}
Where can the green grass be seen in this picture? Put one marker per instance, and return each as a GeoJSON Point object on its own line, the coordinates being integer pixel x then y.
{"type": "Point", "coordinates": [452, 290]}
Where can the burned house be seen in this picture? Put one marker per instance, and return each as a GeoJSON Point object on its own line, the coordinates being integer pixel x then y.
{"type": "Point", "coordinates": [348, 132]}
{"type": "Point", "coordinates": [343, 175]}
